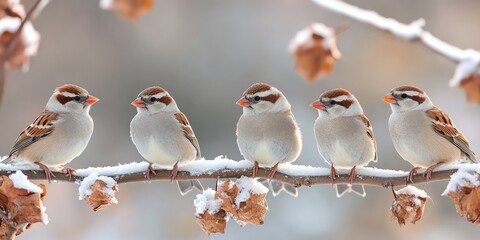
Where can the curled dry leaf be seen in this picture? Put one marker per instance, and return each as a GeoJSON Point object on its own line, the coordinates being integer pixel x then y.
{"type": "Point", "coordinates": [130, 9]}
{"type": "Point", "coordinates": [98, 191]}
{"type": "Point", "coordinates": [11, 8]}
{"type": "Point", "coordinates": [213, 223]}
{"type": "Point", "coordinates": [27, 43]}
{"type": "Point", "coordinates": [102, 195]}
{"type": "Point", "coordinates": [464, 191]}
{"type": "Point", "coordinates": [471, 85]}
{"type": "Point", "coordinates": [244, 200]}
{"type": "Point", "coordinates": [408, 205]}
{"type": "Point", "coordinates": [23, 205]}
{"type": "Point", "coordinates": [315, 51]}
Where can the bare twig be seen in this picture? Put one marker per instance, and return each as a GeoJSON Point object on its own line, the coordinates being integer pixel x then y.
{"type": "Point", "coordinates": [365, 176]}
{"type": "Point", "coordinates": [467, 60]}
{"type": "Point", "coordinates": [11, 227]}
{"type": "Point", "coordinates": [10, 47]}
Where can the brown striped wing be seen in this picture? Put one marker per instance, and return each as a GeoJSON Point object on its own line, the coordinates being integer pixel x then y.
{"type": "Point", "coordinates": [40, 128]}
{"type": "Point", "coordinates": [443, 125]}
{"type": "Point", "coordinates": [188, 132]}
{"type": "Point", "coordinates": [365, 120]}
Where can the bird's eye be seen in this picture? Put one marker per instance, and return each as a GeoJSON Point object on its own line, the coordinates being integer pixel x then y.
{"type": "Point", "coordinates": [332, 102]}
{"type": "Point", "coordinates": [152, 99]}
{"type": "Point", "coordinates": [77, 98]}
{"type": "Point", "coordinates": [404, 95]}
{"type": "Point", "coordinates": [256, 98]}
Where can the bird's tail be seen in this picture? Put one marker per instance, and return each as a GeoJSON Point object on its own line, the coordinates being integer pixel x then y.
{"type": "Point", "coordinates": [341, 189]}
{"type": "Point", "coordinates": [185, 186]}
{"type": "Point", "coordinates": [6, 159]}
{"type": "Point", "coordinates": [278, 187]}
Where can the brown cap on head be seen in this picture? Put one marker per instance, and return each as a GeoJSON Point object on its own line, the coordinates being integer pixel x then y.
{"type": "Point", "coordinates": [336, 93]}
{"type": "Point", "coordinates": [256, 88]}
{"type": "Point", "coordinates": [409, 88]}
{"type": "Point", "coordinates": [73, 89]}
{"type": "Point", "coordinates": [151, 91]}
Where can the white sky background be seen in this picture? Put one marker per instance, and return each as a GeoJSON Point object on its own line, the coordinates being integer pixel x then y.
{"type": "Point", "coordinates": [205, 53]}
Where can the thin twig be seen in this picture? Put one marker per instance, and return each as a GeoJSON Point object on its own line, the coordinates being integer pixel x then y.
{"type": "Point", "coordinates": [11, 227]}
{"type": "Point", "coordinates": [10, 47]}
{"type": "Point", "coordinates": [375, 178]}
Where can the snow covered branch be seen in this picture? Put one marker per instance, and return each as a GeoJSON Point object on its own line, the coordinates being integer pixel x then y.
{"type": "Point", "coordinates": [467, 60]}
{"type": "Point", "coordinates": [296, 175]}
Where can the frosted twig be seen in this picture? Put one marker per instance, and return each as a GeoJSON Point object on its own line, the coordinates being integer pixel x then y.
{"type": "Point", "coordinates": [295, 175]}
{"type": "Point", "coordinates": [467, 60]}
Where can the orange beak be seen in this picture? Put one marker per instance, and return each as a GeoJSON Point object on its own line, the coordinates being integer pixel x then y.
{"type": "Point", "coordinates": [242, 102]}
{"type": "Point", "coordinates": [317, 105]}
{"type": "Point", "coordinates": [389, 99]}
{"type": "Point", "coordinates": [91, 100]}
{"type": "Point", "coordinates": [138, 103]}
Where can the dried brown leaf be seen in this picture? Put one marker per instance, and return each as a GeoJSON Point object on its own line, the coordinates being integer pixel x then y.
{"type": "Point", "coordinates": [407, 208]}
{"type": "Point", "coordinates": [131, 9]}
{"type": "Point", "coordinates": [101, 196]}
{"type": "Point", "coordinates": [215, 223]}
{"type": "Point", "coordinates": [253, 210]}
{"type": "Point", "coordinates": [23, 208]}
{"type": "Point", "coordinates": [471, 85]}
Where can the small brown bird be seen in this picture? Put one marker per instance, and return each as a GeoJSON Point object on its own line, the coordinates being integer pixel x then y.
{"type": "Point", "coordinates": [60, 133]}
{"type": "Point", "coordinates": [423, 134]}
{"type": "Point", "coordinates": [163, 135]}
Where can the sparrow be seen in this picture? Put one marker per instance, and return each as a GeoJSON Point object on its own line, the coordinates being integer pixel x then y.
{"type": "Point", "coordinates": [59, 134]}
{"type": "Point", "coordinates": [267, 133]}
{"type": "Point", "coordinates": [343, 134]}
{"type": "Point", "coordinates": [163, 135]}
{"type": "Point", "coordinates": [423, 134]}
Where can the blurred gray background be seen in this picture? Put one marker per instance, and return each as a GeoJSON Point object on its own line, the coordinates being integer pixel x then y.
{"type": "Point", "coordinates": [206, 53]}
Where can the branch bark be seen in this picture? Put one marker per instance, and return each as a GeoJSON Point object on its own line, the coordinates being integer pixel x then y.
{"type": "Point", "coordinates": [365, 176]}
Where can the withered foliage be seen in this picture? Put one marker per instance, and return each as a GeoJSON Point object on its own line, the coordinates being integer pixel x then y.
{"type": "Point", "coordinates": [252, 210]}
{"type": "Point", "coordinates": [129, 9]}
{"type": "Point", "coordinates": [102, 196]}
{"type": "Point", "coordinates": [471, 85]}
{"type": "Point", "coordinates": [407, 208]}
{"type": "Point", "coordinates": [22, 208]}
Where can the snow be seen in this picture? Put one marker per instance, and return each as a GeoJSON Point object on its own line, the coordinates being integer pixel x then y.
{"type": "Point", "coordinates": [408, 32]}
{"type": "Point", "coordinates": [468, 60]}
{"type": "Point", "coordinates": [246, 187]}
{"type": "Point", "coordinates": [119, 170]}
{"type": "Point", "coordinates": [20, 181]}
{"type": "Point", "coordinates": [44, 215]}
{"type": "Point", "coordinates": [203, 166]}
{"type": "Point", "coordinates": [106, 4]}
{"type": "Point", "coordinates": [466, 176]}
{"type": "Point", "coordinates": [304, 38]}
{"type": "Point", "coordinates": [300, 170]}
{"type": "Point", "coordinates": [206, 201]}
{"type": "Point", "coordinates": [411, 190]}
{"type": "Point", "coordinates": [85, 186]}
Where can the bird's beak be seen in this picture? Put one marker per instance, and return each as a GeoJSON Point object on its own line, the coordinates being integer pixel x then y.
{"type": "Point", "coordinates": [317, 105]}
{"type": "Point", "coordinates": [242, 102]}
{"type": "Point", "coordinates": [389, 99]}
{"type": "Point", "coordinates": [91, 100]}
{"type": "Point", "coordinates": [138, 103]}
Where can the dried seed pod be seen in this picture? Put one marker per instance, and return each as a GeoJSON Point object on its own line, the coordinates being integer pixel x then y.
{"type": "Point", "coordinates": [464, 191]}
{"type": "Point", "coordinates": [315, 51]}
{"type": "Point", "coordinates": [129, 9]}
{"type": "Point", "coordinates": [408, 205]}
{"type": "Point", "coordinates": [98, 191]}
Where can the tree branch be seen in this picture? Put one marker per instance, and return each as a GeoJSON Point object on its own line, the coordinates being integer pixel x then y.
{"type": "Point", "coordinates": [295, 175]}
{"type": "Point", "coordinates": [467, 60]}
{"type": "Point", "coordinates": [10, 47]}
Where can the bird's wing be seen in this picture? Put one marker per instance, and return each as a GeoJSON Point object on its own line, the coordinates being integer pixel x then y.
{"type": "Point", "coordinates": [443, 125]}
{"type": "Point", "coordinates": [40, 128]}
{"type": "Point", "coordinates": [365, 121]}
{"type": "Point", "coordinates": [188, 132]}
